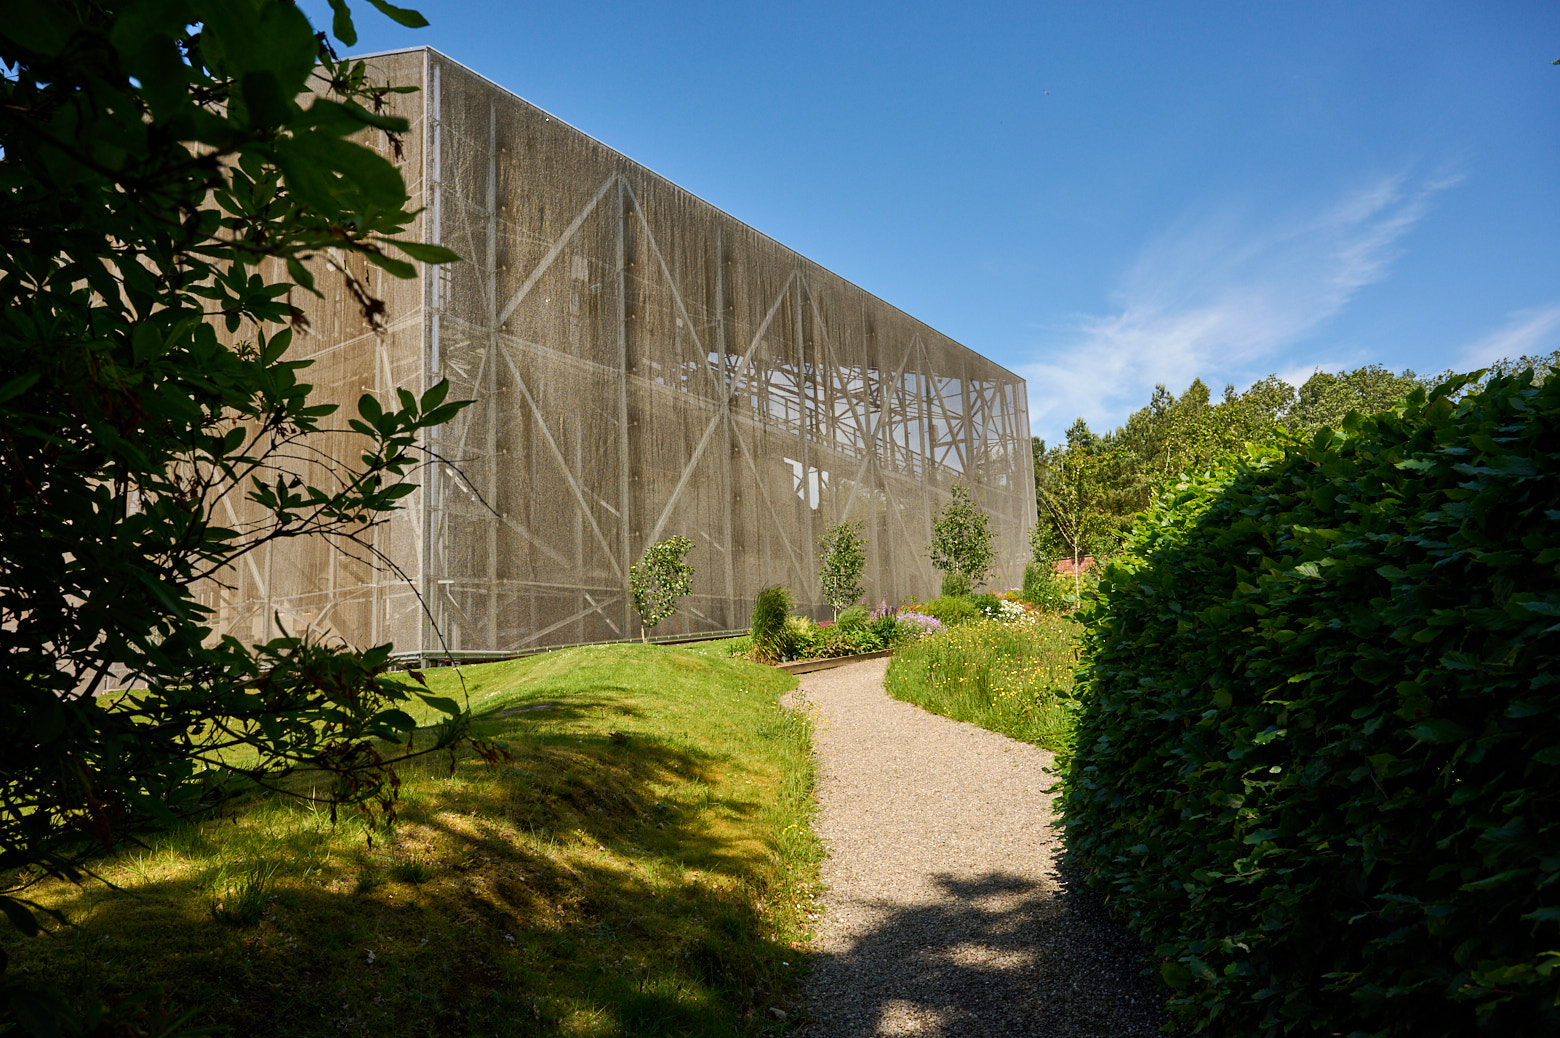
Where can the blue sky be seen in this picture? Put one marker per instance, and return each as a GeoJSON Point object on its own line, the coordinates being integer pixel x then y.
{"type": "Point", "coordinates": [1099, 196]}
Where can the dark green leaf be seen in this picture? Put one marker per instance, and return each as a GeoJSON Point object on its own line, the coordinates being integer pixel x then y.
{"type": "Point", "coordinates": [427, 253]}
{"type": "Point", "coordinates": [1438, 730]}
{"type": "Point", "coordinates": [267, 104]}
{"type": "Point", "coordinates": [1500, 879]}
{"type": "Point", "coordinates": [443, 704]}
{"type": "Point", "coordinates": [398, 268]}
{"type": "Point", "coordinates": [341, 23]}
{"type": "Point", "coordinates": [42, 28]}
{"type": "Point", "coordinates": [17, 386]}
{"type": "Point", "coordinates": [404, 16]}
{"type": "Point", "coordinates": [396, 720]}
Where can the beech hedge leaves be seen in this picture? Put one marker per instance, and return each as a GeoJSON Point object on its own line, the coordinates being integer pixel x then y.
{"type": "Point", "coordinates": [1318, 758]}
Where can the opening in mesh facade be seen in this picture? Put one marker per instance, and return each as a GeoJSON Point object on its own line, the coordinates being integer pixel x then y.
{"type": "Point", "coordinates": [642, 365]}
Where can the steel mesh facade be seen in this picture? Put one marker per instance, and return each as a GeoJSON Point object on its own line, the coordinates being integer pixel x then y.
{"type": "Point", "coordinates": [642, 365]}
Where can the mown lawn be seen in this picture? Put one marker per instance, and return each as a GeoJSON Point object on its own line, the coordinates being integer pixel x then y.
{"type": "Point", "coordinates": [643, 865]}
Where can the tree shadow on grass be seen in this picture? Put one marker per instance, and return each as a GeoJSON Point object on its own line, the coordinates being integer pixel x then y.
{"type": "Point", "coordinates": [994, 956]}
{"type": "Point", "coordinates": [550, 893]}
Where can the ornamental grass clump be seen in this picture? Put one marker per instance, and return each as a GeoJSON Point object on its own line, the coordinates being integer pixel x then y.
{"type": "Point", "coordinates": [854, 620]}
{"type": "Point", "coordinates": [1317, 757]}
{"type": "Point", "coordinates": [771, 610]}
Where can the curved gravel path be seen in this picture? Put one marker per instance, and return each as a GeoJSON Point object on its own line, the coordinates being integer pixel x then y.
{"type": "Point", "coordinates": [945, 912]}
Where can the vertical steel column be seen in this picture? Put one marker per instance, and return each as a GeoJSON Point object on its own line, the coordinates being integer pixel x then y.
{"type": "Point", "coordinates": [803, 380]}
{"type": "Point", "coordinates": [888, 396]}
{"type": "Point", "coordinates": [623, 432]}
{"type": "Point", "coordinates": [876, 525]}
{"type": "Point", "coordinates": [928, 435]}
{"type": "Point", "coordinates": [577, 425]}
{"type": "Point", "coordinates": [432, 174]}
{"type": "Point", "coordinates": [726, 421]}
{"type": "Point", "coordinates": [490, 390]}
{"type": "Point", "coordinates": [966, 422]}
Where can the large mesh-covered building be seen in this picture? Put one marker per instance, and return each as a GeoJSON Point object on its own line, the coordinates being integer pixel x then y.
{"type": "Point", "coordinates": [642, 365]}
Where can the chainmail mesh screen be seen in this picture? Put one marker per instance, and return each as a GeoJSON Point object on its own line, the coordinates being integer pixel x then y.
{"type": "Point", "coordinates": [642, 365]}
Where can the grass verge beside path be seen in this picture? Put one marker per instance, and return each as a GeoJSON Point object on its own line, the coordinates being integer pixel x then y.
{"type": "Point", "coordinates": [1011, 678]}
{"type": "Point", "coordinates": [644, 865]}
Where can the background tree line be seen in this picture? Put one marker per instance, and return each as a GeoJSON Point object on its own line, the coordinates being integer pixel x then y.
{"type": "Point", "coordinates": [1090, 488]}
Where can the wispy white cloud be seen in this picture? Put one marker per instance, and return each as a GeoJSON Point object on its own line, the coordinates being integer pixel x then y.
{"type": "Point", "coordinates": [1220, 296]}
{"type": "Point", "coordinates": [1296, 374]}
{"type": "Point", "coordinates": [1528, 332]}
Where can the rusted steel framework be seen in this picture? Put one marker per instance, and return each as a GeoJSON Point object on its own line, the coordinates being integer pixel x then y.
{"type": "Point", "coordinates": [643, 365]}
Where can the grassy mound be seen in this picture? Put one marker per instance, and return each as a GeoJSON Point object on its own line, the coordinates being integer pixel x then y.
{"type": "Point", "coordinates": [643, 864]}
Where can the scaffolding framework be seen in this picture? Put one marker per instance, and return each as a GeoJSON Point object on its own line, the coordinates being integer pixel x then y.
{"type": "Point", "coordinates": [641, 365]}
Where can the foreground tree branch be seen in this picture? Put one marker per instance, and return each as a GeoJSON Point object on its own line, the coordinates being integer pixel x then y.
{"type": "Point", "coordinates": [154, 157]}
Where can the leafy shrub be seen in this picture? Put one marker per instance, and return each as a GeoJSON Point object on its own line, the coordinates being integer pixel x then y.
{"type": "Point", "coordinates": [802, 638]}
{"type": "Point", "coordinates": [885, 625]}
{"type": "Point", "coordinates": [771, 609]}
{"type": "Point", "coordinates": [1014, 679]}
{"type": "Point", "coordinates": [1044, 590]}
{"type": "Point", "coordinates": [834, 641]}
{"type": "Point", "coordinates": [989, 605]}
{"type": "Point", "coordinates": [798, 637]}
{"type": "Point", "coordinates": [955, 584]}
{"type": "Point", "coordinates": [951, 610]}
{"type": "Point", "coordinates": [1318, 757]}
{"type": "Point", "coordinates": [869, 640]}
{"type": "Point", "coordinates": [854, 619]}
{"type": "Point", "coordinates": [854, 632]}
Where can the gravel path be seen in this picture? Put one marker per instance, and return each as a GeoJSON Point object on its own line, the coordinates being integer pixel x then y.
{"type": "Point", "coordinates": [945, 912]}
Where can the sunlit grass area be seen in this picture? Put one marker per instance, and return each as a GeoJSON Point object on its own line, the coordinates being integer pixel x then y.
{"type": "Point", "coordinates": [1013, 678]}
{"type": "Point", "coordinates": [723, 647]}
{"type": "Point", "coordinates": [643, 865]}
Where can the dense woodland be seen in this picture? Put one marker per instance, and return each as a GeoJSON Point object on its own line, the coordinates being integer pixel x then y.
{"type": "Point", "coordinates": [1089, 489]}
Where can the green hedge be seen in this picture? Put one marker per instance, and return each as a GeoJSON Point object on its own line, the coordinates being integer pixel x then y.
{"type": "Point", "coordinates": [1317, 762]}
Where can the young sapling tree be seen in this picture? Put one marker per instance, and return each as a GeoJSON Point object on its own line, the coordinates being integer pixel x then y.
{"type": "Point", "coordinates": [842, 558]}
{"type": "Point", "coordinates": [659, 580]}
{"type": "Point", "coordinates": [962, 539]}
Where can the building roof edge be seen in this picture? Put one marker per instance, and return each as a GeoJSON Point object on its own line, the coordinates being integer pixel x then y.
{"type": "Point", "coordinates": [499, 86]}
